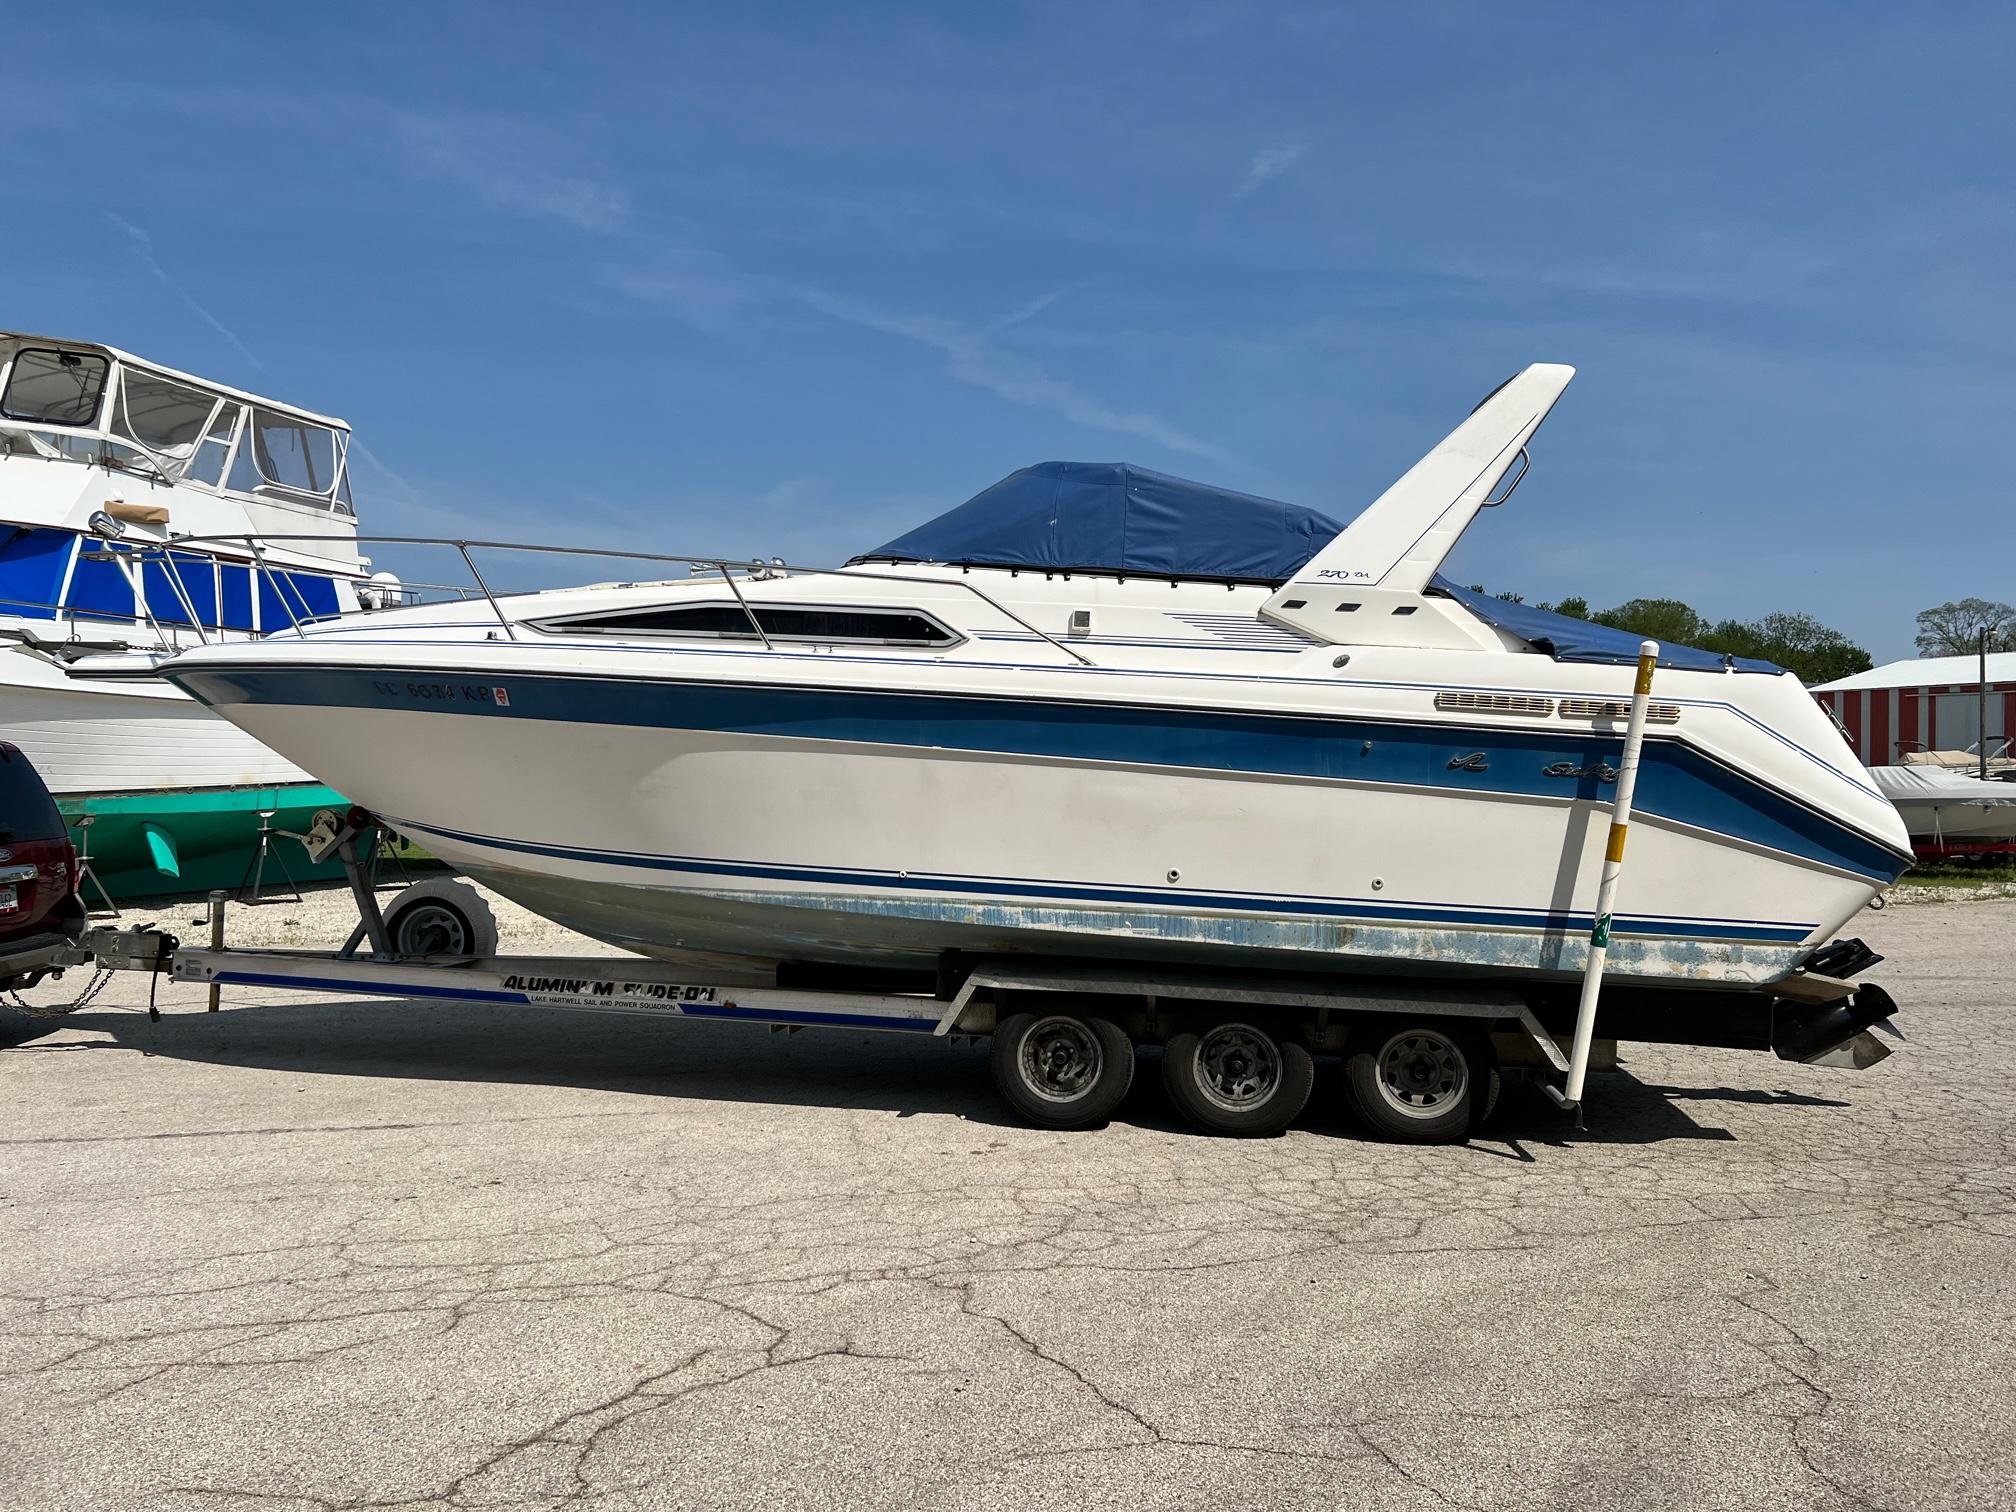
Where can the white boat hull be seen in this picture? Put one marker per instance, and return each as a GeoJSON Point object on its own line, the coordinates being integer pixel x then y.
{"type": "Point", "coordinates": [676, 841]}
{"type": "Point", "coordinates": [93, 738]}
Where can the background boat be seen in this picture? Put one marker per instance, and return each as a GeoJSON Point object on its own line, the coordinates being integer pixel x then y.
{"type": "Point", "coordinates": [108, 465]}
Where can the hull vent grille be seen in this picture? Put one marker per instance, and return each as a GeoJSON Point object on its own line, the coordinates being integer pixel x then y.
{"type": "Point", "coordinates": [1611, 708]}
{"type": "Point", "coordinates": [1494, 703]}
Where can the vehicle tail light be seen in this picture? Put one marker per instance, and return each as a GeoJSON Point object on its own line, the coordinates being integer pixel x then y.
{"type": "Point", "coordinates": [73, 868]}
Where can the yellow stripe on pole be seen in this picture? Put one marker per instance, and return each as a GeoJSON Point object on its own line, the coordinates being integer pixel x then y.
{"type": "Point", "coordinates": [1613, 870]}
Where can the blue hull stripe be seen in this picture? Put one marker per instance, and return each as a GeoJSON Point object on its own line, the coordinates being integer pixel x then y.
{"type": "Point", "coordinates": [726, 1011]}
{"type": "Point", "coordinates": [1676, 781]}
{"type": "Point", "coordinates": [346, 631]}
{"type": "Point", "coordinates": [1066, 893]}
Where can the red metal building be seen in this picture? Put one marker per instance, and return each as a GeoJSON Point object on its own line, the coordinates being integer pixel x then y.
{"type": "Point", "coordinates": [1932, 704]}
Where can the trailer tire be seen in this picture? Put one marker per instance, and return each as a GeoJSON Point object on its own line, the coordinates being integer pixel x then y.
{"type": "Point", "coordinates": [1062, 1070]}
{"type": "Point", "coordinates": [1422, 1083]}
{"type": "Point", "coordinates": [440, 917]}
{"type": "Point", "coordinates": [1236, 1078]}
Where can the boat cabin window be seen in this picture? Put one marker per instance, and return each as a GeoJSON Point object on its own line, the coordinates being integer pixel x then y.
{"type": "Point", "coordinates": [53, 387]}
{"type": "Point", "coordinates": [162, 415]}
{"type": "Point", "coordinates": [874, 627]}
{"type": "Point", "coordinates": [208, 464]}
{"type": "Point", "coordinates": [284, 457]}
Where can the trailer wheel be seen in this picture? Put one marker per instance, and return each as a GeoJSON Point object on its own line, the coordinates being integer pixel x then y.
{"type": "Point", "coordinates": [1062, 1070]}
{"type": "Point", "coordinates": [441, 918]}
{"type": "Point", "coordinates": [1422, 1083]}
{"type": "Point", "coordinates": [1236, 1078]}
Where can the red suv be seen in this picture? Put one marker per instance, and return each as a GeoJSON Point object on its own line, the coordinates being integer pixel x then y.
{"type": "Point", "coordinates": [41, 915]}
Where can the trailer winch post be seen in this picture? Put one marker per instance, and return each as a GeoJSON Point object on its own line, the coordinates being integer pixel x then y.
{"type": "Point", "coordinates": [1613, 869]}
{"type": "Point", "coordinates": [370, 922]}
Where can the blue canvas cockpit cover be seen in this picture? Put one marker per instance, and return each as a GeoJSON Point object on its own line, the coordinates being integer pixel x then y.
{"type": "Point", "coordinates": [1111, 517]}
{"type": "Point", "coordinates": [1574, 640]}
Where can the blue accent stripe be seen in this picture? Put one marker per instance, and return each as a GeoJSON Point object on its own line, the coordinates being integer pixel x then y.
{"type": "Point", "coordinates": [1058, 892]}
{"type": "Point", "coordinates": [721, 1011]}
{"type": "Point", "coordinates": [350, 633]}
{"type": "Point", "coordinates": [1675, 781]}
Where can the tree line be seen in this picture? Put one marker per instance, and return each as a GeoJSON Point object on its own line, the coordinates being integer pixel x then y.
{"type": "Point", "coordinates": [1799, 643]}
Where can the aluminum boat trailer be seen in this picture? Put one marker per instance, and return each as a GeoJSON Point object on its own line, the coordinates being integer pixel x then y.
{"type": "Point", "coordinates": [1423, 1056]}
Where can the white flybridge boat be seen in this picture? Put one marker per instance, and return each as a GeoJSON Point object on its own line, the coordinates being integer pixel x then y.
{"type": "Point", "coordinates": [1094, 710]}
{"type": "Point", "coordinates": [1141, 740]}
{"type": "Point", "coordinates": [109, 466]}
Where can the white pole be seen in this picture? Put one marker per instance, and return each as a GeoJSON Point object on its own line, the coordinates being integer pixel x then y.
{"type": "Point", "coordinates": [1613, 868]}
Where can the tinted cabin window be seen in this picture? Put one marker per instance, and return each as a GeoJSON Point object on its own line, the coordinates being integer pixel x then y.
{"type": "Point", "coordinates": [57, 388]}
{"type": "Point", "coordinates": [884, 627]}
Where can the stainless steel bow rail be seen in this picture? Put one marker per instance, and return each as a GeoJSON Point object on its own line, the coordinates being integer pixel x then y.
{"type": "Point", "coordinates": [729, 568]}
{"type": "Point", "coordinates": [1423, 1056]}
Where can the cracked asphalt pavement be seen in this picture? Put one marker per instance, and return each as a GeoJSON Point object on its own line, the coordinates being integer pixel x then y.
{"type": "Point", "coordinates": [316, 1254]}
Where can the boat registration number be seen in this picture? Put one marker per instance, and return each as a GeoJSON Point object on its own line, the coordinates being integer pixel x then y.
{"type": "Point", "coordinates": [585, 992]}
{"type": "Point", "coordinates": [444, 692]}
{"type": "Point", "coordinates": [10, 899]}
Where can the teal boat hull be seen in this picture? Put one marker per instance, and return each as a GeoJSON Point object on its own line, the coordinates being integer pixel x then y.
{"type": "Point", "coordinates": [150, 845]}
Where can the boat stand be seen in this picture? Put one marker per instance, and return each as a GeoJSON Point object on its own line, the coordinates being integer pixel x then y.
{"type": "Point", "coordinates": [86, 876]}
{"type": "Point", "coordinates": [251, 886]}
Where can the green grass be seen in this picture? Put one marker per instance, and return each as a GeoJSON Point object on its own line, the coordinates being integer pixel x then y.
{"type": "Point", "coordinates": [1987, 871]}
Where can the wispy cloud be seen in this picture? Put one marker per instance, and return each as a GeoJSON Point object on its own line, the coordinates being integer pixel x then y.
{"type": "Point", "coordinates": [506, 169]}
{"type": "Point", "coordinates": [143, 244]}
{"type": "Point", "coordinates": [1270, 162]}
{"type": "Point", "coordinates": [1030, 309]}
{"type": "Point", "coordinates": [404, 492]}
{"type": "Point", "coordinates": [711, 294]}
{"type": "Point", "coordinates": [971, 357]}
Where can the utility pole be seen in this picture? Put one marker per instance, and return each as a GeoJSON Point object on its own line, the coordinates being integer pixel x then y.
{"type": "Point", "coordinates": [1982, 748]}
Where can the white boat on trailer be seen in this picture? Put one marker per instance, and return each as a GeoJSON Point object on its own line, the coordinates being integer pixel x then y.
{"type": "Point", "coordinates": [1096, 716]}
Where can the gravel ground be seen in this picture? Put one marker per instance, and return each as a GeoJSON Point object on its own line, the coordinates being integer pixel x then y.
{"type": "Point", "coordinates": [307, 1255]}
{"type": "Point", "coordinates": [1973, 892]}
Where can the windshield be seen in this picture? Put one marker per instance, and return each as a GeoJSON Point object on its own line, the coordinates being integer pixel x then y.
{"type": "Point", "coordinates": [56, 388]}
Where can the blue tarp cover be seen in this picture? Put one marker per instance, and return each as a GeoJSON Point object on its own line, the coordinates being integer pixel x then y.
{"type": "Point", "coordinates": [1572, 640]}
{"type": "Point", "coordinates": [1111, 517]}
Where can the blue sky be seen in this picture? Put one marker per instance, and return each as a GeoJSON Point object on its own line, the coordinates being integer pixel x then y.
{"type": "Point", "coordinates": [788, 279]}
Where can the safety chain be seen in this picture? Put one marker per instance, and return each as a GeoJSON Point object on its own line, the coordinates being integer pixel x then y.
{"type": "Point", "coordinates": [20, 1004]}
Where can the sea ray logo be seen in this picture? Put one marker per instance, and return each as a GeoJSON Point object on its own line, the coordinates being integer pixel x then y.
{"type": "Point", "coordinates": [1602, 771]}
{"type": "Point", "coordinates": [1476, 761]}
